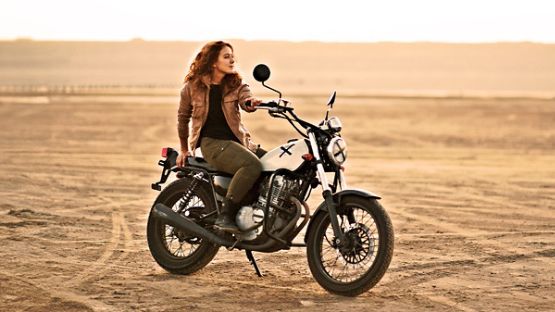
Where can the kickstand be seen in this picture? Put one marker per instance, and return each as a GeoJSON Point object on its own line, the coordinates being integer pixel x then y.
{"type": "Point", "coordinates": [253, 262]}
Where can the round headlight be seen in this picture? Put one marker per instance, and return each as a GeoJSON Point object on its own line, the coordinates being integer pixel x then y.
{"type": "Point", "coordinates": [334, 123]}
{"type": "Point", "coordinates": [337, 150]}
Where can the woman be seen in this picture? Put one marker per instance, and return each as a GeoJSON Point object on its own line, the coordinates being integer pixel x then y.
{"type": "Point", "coordinates": [210, 100]}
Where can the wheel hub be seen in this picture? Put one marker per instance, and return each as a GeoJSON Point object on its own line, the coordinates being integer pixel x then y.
{"type": "Point", "coordinates": [357, 245]}
{"type": "Point", "coordinates": [185, 236]}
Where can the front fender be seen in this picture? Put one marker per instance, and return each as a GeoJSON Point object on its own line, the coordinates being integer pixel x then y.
{"type": "Point", "coordinates": [322, 208]}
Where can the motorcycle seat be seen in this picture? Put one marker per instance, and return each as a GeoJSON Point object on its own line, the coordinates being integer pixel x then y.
{"type": "Point", "coordinates": [201, 163]}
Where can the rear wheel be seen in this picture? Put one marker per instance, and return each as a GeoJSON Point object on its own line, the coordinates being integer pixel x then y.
{"type": "Point", "coordinates": [356, 265]}
{"type": "Point", "coordinates": [175, 250]}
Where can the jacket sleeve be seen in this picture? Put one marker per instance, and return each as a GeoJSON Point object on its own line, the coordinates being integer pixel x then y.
{"type": "Point", "coordinates": [184, 116]}
{"type": "Point", "coordinates": [244, 94]}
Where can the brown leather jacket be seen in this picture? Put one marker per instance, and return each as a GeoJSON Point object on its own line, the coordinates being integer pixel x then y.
{"type": "Point", "coordinates": [194, 107]}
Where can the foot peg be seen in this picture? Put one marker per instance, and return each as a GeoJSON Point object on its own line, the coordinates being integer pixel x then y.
{"type": "Point", "coordinates": [224, 223]}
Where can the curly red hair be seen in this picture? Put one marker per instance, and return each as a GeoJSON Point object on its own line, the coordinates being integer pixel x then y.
{"type": "Point", "coordinates": [202, 65]}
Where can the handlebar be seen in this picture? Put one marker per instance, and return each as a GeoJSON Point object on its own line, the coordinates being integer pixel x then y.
{"type": "Point", "coordinates": [276, 110]}
{"type": "Point", "coordinates": [267, 104]}
{"type": "Point", "coordinates": [271, 106]}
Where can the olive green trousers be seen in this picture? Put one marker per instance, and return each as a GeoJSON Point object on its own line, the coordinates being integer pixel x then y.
{"type": "Point", "coordinates": [233, 158]}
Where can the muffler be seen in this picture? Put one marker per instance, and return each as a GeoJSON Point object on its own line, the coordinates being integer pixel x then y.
{"type": "Point", "coordinates": [170, 217]}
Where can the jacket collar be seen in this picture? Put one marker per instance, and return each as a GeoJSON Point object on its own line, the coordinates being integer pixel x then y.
{"type": "Point", "coordinates": [205, 80]}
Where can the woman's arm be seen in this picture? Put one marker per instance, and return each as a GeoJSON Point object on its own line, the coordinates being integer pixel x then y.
{"type": "Point", "coordinates": [245, 95]}
{"type": "Point", "coordinates": [183, 117]}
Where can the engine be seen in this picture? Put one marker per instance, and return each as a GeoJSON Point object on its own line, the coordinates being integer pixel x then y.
{"type": "Point", "coordinates": [281, 189]}
{"type": "Point", "coordinates": [280, 210]}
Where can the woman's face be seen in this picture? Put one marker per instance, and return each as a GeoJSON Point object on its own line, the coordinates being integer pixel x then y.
{"type": "Point", "coordinates": [226, 61]}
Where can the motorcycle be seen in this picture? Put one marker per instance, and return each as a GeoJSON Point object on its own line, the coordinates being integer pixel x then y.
{"type": "Point", "coordinates": [349, 237]}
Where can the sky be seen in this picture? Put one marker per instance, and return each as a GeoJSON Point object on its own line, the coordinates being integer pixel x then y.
{"type": "Point", "coordinates": [290, 20]}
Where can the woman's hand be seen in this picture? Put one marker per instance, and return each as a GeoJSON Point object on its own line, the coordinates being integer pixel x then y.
{"type": "Point", "coordinates": [254, 103]}
{"type": "Point", "coordinates": [182, 158]}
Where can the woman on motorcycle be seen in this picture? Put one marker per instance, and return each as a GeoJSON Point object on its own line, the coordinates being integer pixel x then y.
{"type": "Point", "coordinates": [210, 101]}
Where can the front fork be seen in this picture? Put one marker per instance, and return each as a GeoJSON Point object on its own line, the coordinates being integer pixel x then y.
{"type": "Point", "coordinates": [326, 190]}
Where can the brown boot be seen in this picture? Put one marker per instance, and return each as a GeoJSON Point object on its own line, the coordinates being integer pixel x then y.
{"type": "Point", "coordinates": [226, 218]}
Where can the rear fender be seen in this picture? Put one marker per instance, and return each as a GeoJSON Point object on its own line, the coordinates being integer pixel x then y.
{"type": "Point", "coordinates": [322, 208]}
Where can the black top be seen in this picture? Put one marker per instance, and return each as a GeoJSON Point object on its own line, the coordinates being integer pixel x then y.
{"type": "Point", "coordinates": [216, 126]}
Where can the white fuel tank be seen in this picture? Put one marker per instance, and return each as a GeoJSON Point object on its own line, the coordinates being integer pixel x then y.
{"type": "Point", "coordinates": [288, 156]}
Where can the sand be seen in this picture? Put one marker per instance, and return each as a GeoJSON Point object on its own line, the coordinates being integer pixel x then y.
{"type": "Point", "coordinates": [469, 185]}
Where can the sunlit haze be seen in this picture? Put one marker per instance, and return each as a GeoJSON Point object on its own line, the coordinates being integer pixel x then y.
{"type": "Point", "coordinates": [345, 21]}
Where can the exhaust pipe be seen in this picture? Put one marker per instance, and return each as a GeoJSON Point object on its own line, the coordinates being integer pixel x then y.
{"type": "Point", "coordinates": [170, 217]}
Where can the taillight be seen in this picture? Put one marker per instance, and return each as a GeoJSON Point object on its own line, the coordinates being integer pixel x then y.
{"type": "Point", "coordinates": [165, 152]}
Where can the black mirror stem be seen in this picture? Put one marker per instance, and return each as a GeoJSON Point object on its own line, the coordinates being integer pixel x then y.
{"type": "Point", "coordinates": [272, 89]}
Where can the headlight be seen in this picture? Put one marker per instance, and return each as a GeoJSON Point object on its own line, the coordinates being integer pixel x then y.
{"type": "Point", "coordinates": [337, 150]}
{"type": "Point", "coordinates": [335, 124]}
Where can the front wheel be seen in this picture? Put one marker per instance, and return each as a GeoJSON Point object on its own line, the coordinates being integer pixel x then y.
{"type": "Point", "coordinates": [359, 263]}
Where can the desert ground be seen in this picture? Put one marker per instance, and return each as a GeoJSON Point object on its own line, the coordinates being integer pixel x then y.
{"type": "Point", "coordinates": [468, 182]}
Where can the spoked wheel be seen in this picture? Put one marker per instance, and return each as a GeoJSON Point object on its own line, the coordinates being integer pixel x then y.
{"type": "Point", "coordinates": [178, 242]}
{"type": "Point", "coordinates": [357, 264]}
{"type": "Point", "coordinates": [176, 250]}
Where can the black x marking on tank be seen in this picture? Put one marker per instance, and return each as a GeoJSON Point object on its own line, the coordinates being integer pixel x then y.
{"type": "Point", "coordinates": [286, 150]}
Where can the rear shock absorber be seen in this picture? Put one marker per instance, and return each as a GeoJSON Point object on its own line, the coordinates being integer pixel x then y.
{"type": "Point", "coordinates": [190, 191]}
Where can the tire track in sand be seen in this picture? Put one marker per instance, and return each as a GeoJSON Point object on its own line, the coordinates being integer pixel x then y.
{"type": "Point", "coordinates": [442, 271]}
{"type": "Point", "coordinates": [465, 232]}
{"type": "Point", "coordinates": [106, 254]}
{"type": "Point", "coordinates": [94, 304]}
{"type": "Point", "coordinates": [120, 237]}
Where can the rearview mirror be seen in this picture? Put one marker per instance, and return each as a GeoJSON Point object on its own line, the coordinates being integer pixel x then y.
{"type": "Point", "coordinates": [261, 72]}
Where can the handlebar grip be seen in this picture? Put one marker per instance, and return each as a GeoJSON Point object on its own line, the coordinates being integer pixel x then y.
{"type": "Point", "coordinates": [268, 104]}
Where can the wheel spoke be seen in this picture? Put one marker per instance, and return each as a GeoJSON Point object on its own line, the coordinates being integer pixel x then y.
{"type": "Point", "coordinates": [357, 257]}
{"type": "Point", "coordinates": [178, 243]}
